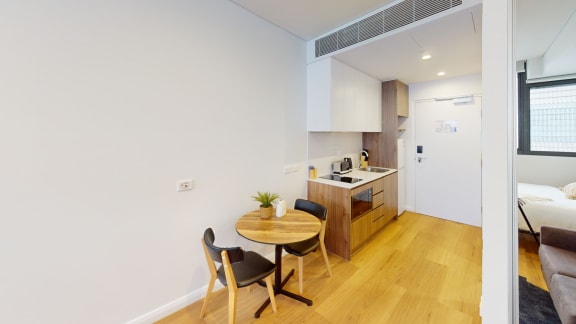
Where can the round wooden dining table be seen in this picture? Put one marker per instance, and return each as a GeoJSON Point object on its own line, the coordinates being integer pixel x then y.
{"type": "Point", "coordinates": [294, 226]}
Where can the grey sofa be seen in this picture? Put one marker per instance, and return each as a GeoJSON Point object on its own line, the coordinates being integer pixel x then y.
{"type": "Point", "coordinates": [558, 258]}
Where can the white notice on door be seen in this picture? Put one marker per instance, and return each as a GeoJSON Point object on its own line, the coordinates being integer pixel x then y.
{"type": "Point", "coordinates": [446, 126]}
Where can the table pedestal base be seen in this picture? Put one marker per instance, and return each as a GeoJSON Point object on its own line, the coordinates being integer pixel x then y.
{"type": "Point", "coordinates": [298, 223]}
{"type": "Point", "coordinates": [280, 290]}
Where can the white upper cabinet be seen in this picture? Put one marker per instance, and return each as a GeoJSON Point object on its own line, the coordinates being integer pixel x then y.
{"type": "Point", "coordinates": [342, 99]}
{"type": "Point", "coordinates": [373, 105]}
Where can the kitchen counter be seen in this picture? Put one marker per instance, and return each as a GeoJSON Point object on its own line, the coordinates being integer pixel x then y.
{"type": "Point", "coordinates": [350, 225]}
{"type": "Point", "coordinates": [366, 177]}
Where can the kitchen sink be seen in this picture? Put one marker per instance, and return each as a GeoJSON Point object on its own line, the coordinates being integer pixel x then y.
{"type": "Point", "coordinates": [374, 169]}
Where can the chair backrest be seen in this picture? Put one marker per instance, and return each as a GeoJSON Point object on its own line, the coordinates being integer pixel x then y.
{"type": "Point", "coordinates": [315, 209]}
{"type": "Point", "coordinates": [235, 254]}
{"type": "Point", "coordinates": [311, 207]}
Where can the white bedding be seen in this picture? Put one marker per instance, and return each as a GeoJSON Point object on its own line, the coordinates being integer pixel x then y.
{"type": "Point", "coordinates": [545, 205]}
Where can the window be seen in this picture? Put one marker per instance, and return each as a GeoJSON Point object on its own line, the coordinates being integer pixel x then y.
{"type": "Point", "coordinates": [547, 117]}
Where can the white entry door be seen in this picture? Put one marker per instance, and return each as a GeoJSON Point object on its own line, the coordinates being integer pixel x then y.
{"type": "Point", "coordinates": [448, 159]}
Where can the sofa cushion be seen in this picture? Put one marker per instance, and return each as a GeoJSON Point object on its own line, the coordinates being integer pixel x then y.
{"type": "Point", "coordinates": [556, 260]}
{"type": "Point", "coordinates": [563, 293]}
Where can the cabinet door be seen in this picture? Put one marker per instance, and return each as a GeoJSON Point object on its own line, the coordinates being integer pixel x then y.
{"type": "Point", "coordinates": [378, 185]}
{"type": "Point", "coordinates": [378, 199]}
{"type": "Point", "coordinates": [360, 231]}
{"type": "Point", "coordinates": [358, 113]}
{"type": "Point", "coordinates": [348, 98]}
{"type": "Point", "coordinates": [378, 221]}
{"type": "Point", "coordinates": [390, 203]}
{"type": "Point", "coordinates": [318, 96]}
{"type": "Point", "coordinates": [373, 105]}
{"type": "Point", "coordinates": [342, 96]}
{"type": "Point", "coordinates": [402, 98]}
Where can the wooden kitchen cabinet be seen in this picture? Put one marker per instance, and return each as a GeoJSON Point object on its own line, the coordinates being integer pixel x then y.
{"type": "Point", "coordinates": [340, 98]}
{"type": "Point", "coordinates": [398, 93]}
{"type": "Point", "coordinates": [382, 146]}
{"type": "Point", "coordinates": [344, 235]}
{"type": "Point", "coordinates": [360, 231]}
{"type": "Point", "coordinates": [389, 207]}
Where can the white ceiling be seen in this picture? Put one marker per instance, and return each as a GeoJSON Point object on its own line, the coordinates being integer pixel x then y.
{"type": "Point", "coordinates": [309, 19]}
{"type": "Point", "coordinates": [455, 43]}
{"type": "Point", "coordinates": [538, 23]}
{"type": "Point", "coordinates": [454, 40]}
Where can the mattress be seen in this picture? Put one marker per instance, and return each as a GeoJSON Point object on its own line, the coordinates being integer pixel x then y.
{"type": "Point", "coordinates": [545, 205]}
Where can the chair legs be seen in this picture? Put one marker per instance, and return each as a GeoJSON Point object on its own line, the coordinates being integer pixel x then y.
{"type": "Point", "coordinates": [233, 298]}
{"type": "Point", "coordinates": [301, 267]}
{"type": "Point", "coordinates": [230, 282]}
{"type": "Point", "coordinates": [232, 301]}
{"type": "Point", "coordinates": [213, 276]}
{"type": "Point", "coordinates": [300, 274]}
{"type": "Point", "coordinates": [269, 286]}
{"type": "Point", "coordinates": [208, 294]}
{"type": "Point", "coordinates": [325, 255]}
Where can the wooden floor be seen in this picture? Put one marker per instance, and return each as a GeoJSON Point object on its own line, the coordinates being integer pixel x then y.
{"type": "Point", "coordinates": [528, 261]}
{"type": "Point", "coordinates": [419, 269]}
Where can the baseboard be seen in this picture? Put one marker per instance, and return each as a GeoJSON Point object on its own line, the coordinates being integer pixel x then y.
{"type": "Point", "coordinates": [173, 306]}
{"type": "Point", "coordinates": [178, 304]}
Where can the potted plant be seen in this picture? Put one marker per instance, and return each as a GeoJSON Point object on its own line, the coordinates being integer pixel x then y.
{"type": "Point", "coordinates": [266, 199]}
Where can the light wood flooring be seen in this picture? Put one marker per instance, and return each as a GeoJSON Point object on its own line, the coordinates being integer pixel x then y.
{"type": "Point", "coordinates": [419, 269]}
{"type": "Point", "coordinates": [528, 260]}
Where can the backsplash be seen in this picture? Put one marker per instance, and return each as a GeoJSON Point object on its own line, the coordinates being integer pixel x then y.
{"type": "Point", "coordinates": [323, 165]}
{"type": "Point", "coordinates": [325, 148]}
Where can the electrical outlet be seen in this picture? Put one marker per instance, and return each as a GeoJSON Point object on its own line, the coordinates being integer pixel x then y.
{"type": "Point", "coordinates": [184, 185]}
{"type": "Point", "coordinates": [291, 168]}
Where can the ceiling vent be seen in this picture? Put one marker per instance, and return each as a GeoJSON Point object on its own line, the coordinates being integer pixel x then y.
{"type": "Point", "coordinates": [394, 17]}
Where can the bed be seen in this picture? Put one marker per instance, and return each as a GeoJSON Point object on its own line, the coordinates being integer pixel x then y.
{"type": "Point", "coordinates": [546, 205]}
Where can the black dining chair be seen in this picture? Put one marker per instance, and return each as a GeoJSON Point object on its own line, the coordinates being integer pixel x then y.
{"type": "Point", "coordinates": [300, 249]}
{"type": "Point", "coordinates": [238, 269]}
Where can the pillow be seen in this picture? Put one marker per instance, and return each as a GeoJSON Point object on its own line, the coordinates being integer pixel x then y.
{"type": "Point", "coordinates": [570, 190]}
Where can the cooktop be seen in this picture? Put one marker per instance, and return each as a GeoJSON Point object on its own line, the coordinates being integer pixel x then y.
{"type": "Point", "coordinates": [339, 178]}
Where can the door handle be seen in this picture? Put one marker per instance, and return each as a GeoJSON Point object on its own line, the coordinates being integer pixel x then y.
{"type": "Point", "coordinates": [420, 158]}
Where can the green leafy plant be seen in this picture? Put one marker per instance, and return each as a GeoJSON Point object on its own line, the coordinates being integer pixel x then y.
{"type": "Point", "coordinates": [266, 198]}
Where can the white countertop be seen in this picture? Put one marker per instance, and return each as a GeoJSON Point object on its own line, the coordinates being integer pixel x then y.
{"type": "Point", "coordinates": [364, 175]}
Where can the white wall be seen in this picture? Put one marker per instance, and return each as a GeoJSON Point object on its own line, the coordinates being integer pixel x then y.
{"type": "Point", "coordinates": [327, 147]}
{"type": "Point", "coordinates": [104, 106]}
{"type": "Point", "coordinates": [450, 87]}
{"type": "Point", "coordinates": [554, 171]}
{"type": "Point", "coordinates": [499, 228]}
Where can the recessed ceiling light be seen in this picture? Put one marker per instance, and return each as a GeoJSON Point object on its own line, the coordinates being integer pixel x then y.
{"type": "Point", "coordinates": [441, 73]}
{"type": "Point", "coordinates": [426, 56]}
